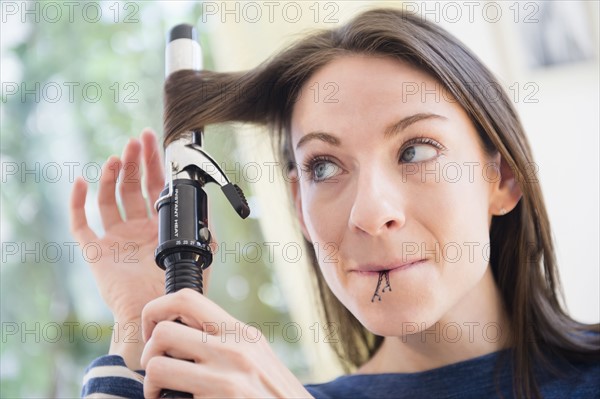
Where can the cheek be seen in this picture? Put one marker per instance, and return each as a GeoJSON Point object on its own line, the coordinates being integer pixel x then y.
{"type": "Point", "coordinates": [449, 219]}
{"type": "Point", "coordinates": [456, 211]}
{"type": "Point", "coordinates": [326, 223]}
{"type": "Point", "coordinates": [460, 226]}
{"type": "Point", "coordinates": [325, 218]}
{"type": "Point", "coordinates": [453, 202]}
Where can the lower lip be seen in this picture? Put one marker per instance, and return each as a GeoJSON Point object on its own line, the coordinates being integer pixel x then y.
{"type": "Point", "coordinates": [396, 269]}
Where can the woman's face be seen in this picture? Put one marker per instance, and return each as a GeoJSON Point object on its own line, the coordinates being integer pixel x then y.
{"type": "Point", "coordinates": [391, 172]}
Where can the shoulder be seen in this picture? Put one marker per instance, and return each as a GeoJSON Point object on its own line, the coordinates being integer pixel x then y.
{"type": "Point", "coordinates": [573, 380]}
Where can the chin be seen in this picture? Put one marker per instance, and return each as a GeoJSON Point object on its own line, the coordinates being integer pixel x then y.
{"type": "Point", "coordinates": [391, 320]}
{"type": "Point", "coordinates": [414, 303]}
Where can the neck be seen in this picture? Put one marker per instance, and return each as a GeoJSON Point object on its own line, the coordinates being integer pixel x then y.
{"type": "Point", "coordinates": [476, 326]}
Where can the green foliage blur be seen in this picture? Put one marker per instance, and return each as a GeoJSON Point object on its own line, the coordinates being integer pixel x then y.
{"type": "Point", "coordinates": [84, 86]}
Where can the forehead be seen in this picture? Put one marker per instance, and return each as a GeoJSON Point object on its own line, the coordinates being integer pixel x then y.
{"type": "Point", "coordinates": [359, 89]}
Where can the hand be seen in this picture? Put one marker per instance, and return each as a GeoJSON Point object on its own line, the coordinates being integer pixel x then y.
{"type": "Point", "coordinates": [221, 363]}
{"type": "Point", "coordinates": [124, 269]}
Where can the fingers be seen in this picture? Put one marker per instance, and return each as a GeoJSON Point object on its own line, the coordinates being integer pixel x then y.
{"type": "Point", "coordinates": [179, 375]}
{"type": "Point", "coordinates": [176, 340]}
{"type": "Point", "coordinates": [211, 359]}
{"type": "Point", "coordinates": [109, 211]}
{"type": "Point", "coordinates": [130, 187]}
{"type": "Point", "coordinates": [191, 307]}
{"type": "Point", "coordinates": [78, 221]}
{"type": "Point", "coordinates": [207, 363]}
{"type": "Point", "coordinates": [154, 170]}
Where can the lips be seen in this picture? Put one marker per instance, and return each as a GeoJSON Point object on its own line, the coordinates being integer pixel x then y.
{"type": "Point", "coordinates": [387, 266]}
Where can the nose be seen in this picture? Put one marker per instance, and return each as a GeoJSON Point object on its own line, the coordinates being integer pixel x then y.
{"type": "Point", "coordinates": [378, 204]}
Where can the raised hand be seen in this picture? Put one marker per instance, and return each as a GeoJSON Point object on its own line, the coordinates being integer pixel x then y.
{"type": "Point", "coordinates": [124, 269]}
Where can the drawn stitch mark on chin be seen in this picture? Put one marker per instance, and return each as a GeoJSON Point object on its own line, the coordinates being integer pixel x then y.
{"type": "Point", "coordinates": [382, 274]}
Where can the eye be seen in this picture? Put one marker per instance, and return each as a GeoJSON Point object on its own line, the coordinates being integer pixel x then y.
{"type": "Point", "coordinates": [418, 153]}
{"type": "Point", "coordinates": [420, 150]}
{"type": "Point", "coordinates": [321, 169]}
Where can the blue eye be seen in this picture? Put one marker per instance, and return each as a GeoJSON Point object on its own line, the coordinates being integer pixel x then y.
{"type": "Point", "coordinates": [418, 153]}
{"type": "Point", "coordinates": [324, 170]}
{"type": "Point", "coordinates": [420, 149]}
{"type": "Point", "coordinates": [321, 168]}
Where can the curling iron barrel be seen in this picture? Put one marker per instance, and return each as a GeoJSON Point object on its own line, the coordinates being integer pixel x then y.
{"type": "Point", "coordinates": [183, 50]}
{"type": "Point", "coordinates": [183, 249]}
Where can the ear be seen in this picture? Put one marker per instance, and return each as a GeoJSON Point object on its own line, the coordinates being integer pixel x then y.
{"type": "Point", "coordinates": [297, 198]}
{"type": "Point", "coordinates": [506, 192]}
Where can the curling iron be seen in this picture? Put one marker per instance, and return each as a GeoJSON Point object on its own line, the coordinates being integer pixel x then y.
{"type": "Point", "coordinates": [183, 249]}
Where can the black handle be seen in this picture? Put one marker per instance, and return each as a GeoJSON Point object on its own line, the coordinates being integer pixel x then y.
{"type": "Point", "coordinates": [167, 393]}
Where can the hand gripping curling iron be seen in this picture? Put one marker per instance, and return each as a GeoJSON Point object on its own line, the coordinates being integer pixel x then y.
{"type": "Point", "coordinates": [183, 236]}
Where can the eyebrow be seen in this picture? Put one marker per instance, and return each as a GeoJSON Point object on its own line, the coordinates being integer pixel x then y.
{"type": "Point", "coordinates": [390, 131]}
{"type": "Point", "coordinates": [399, 126]}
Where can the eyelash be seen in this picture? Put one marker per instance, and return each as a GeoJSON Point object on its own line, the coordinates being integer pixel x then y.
{"type": "Point", "coordinates": [420, 140]}
{"type": "Point", "coordinates": [310, 163]}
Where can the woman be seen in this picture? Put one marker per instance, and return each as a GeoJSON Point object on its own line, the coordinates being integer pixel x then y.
{"type": "Point", "coordinates": [429, 236]}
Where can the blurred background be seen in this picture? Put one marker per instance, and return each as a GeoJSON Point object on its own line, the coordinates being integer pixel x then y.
{"type": "Point", "coordinates": [80, 78]}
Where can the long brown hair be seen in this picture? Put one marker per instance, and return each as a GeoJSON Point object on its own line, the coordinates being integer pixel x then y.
{"type": "Point", "coordinates": [522, 253]}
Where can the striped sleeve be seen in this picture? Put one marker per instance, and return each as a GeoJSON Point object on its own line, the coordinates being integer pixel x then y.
{"type": "Point", "coordinates": [109, 377]}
